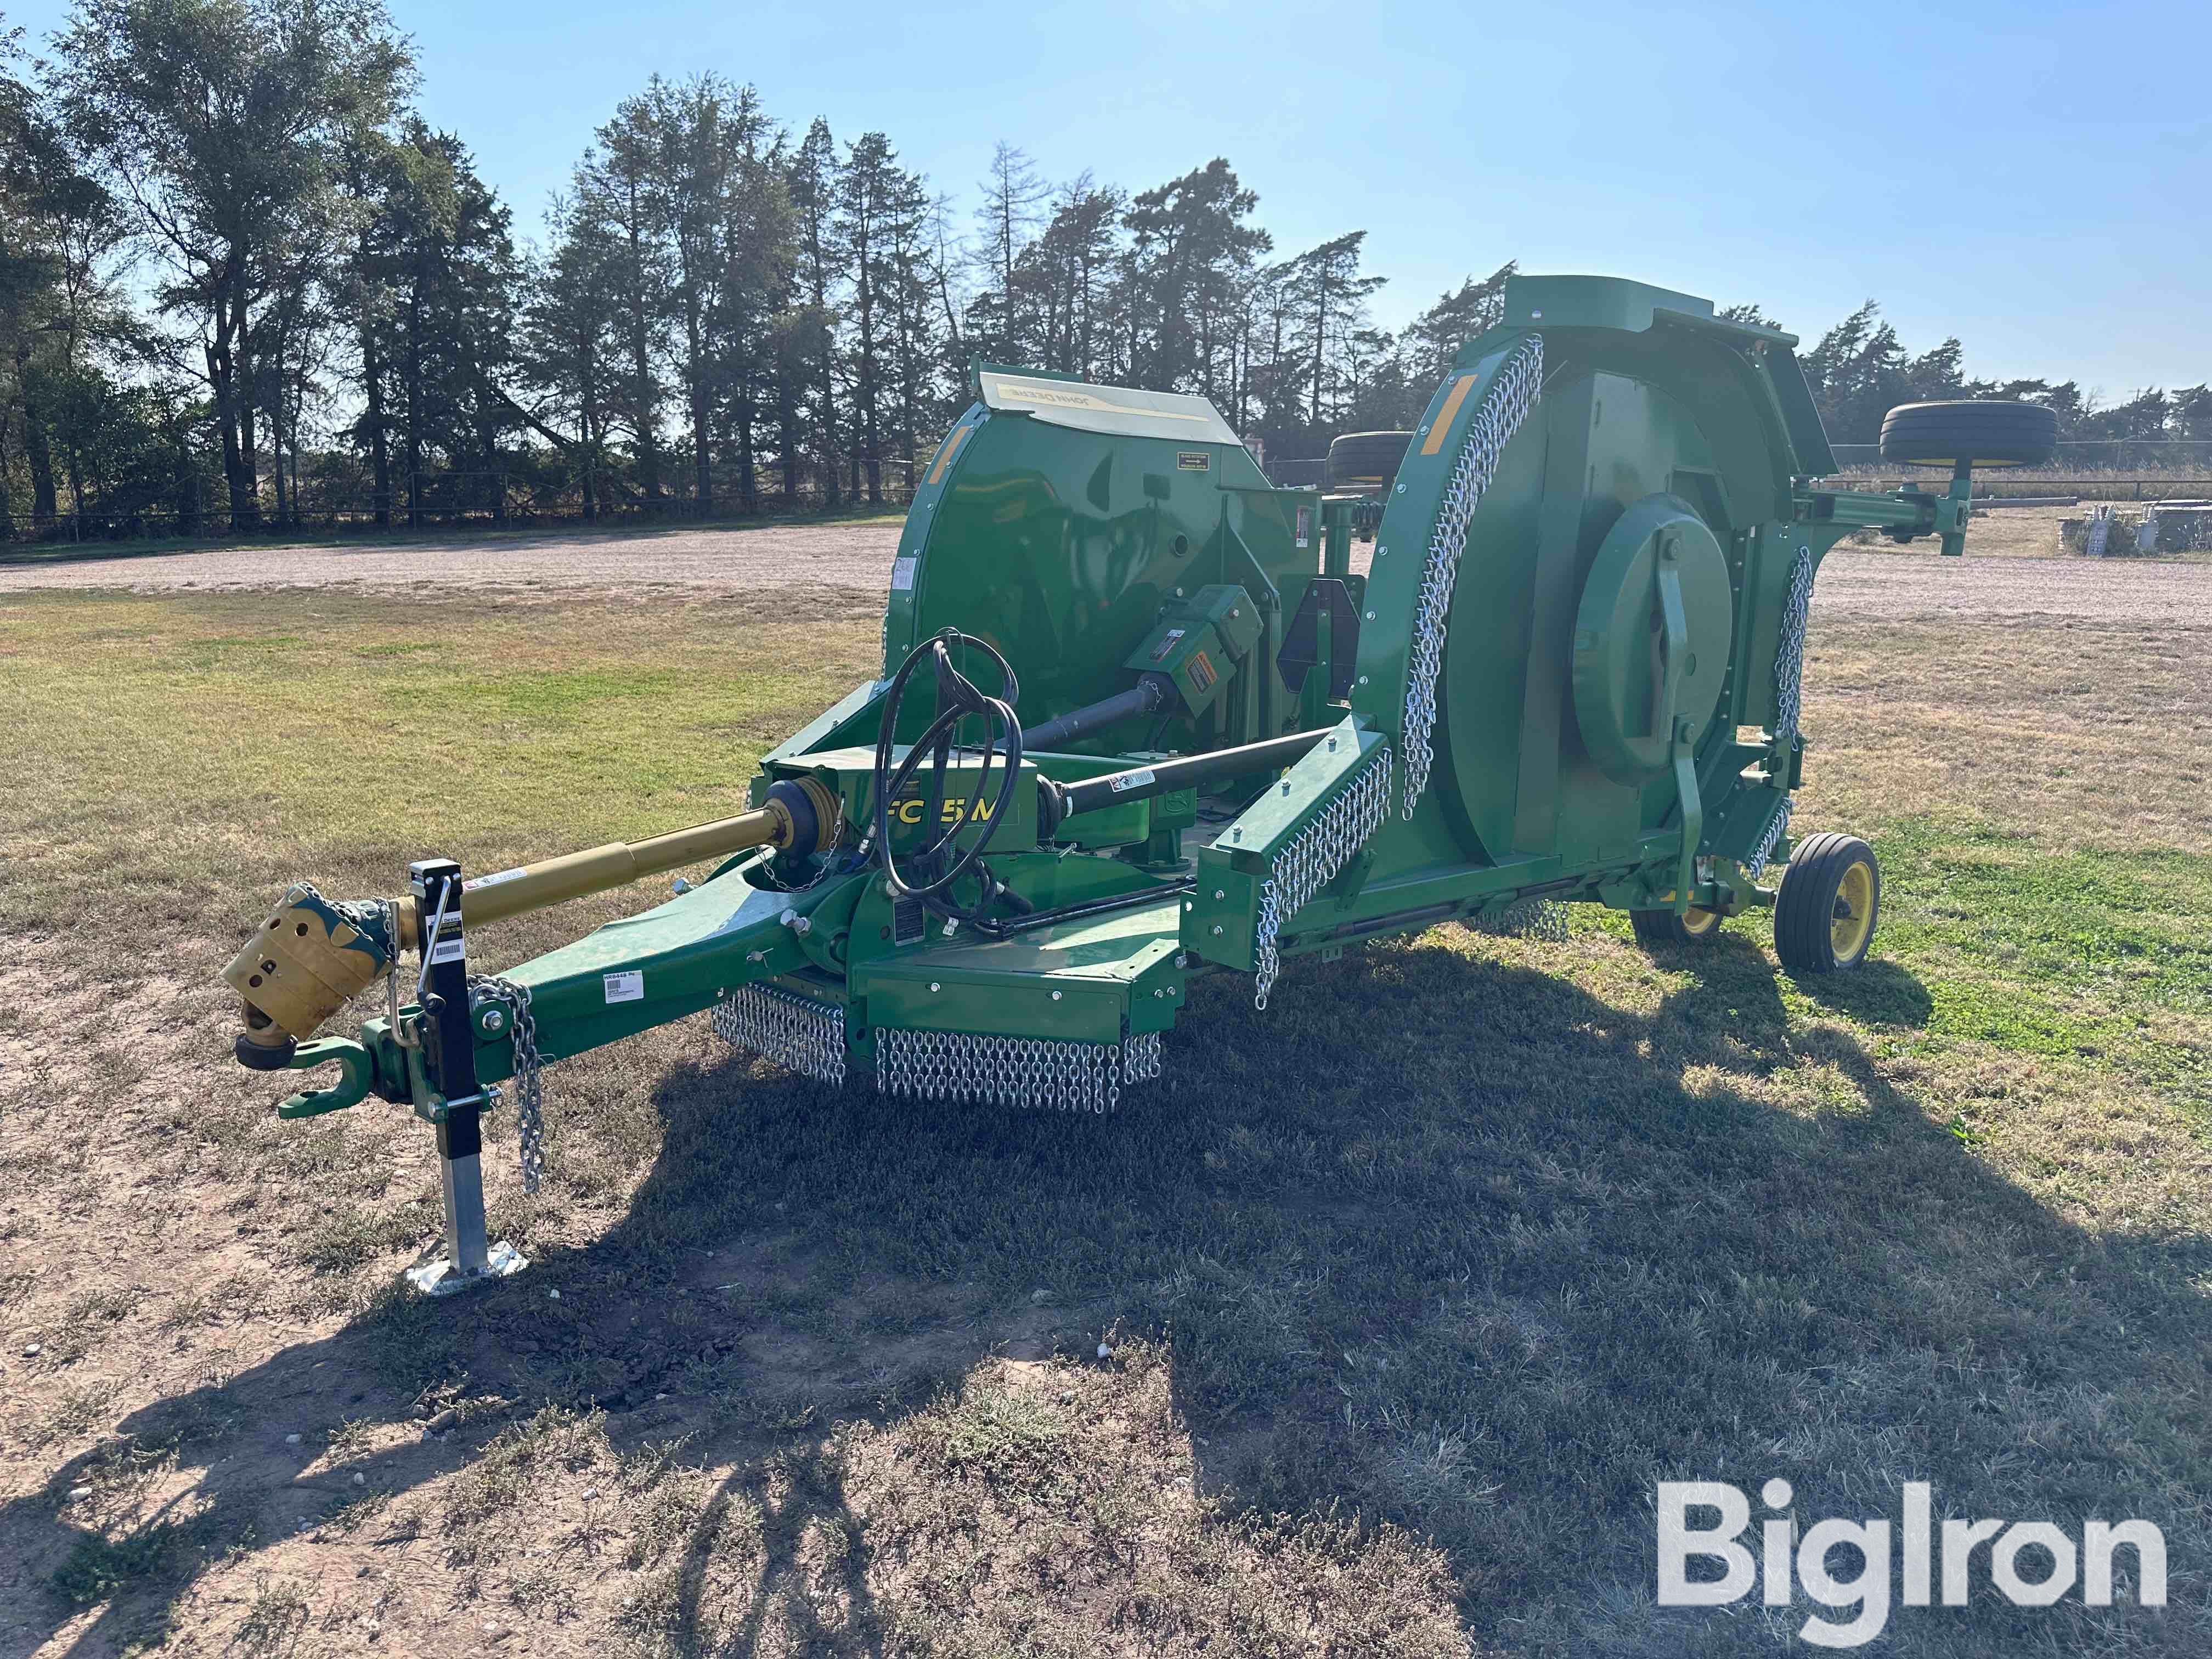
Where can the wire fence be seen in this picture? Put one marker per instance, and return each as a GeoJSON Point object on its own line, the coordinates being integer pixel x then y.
{"type": "Point", "coordinates": [2073, 456]}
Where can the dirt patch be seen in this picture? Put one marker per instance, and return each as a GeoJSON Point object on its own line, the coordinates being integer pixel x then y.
{"type": "Point", "coordinates": [2161, 594]}
{"type": "Point", "coordinates": [856, 557]}
{"type": "Point", "coordinates": [820, 570]}
{"type": "Point", "coordinates": [826, 569]}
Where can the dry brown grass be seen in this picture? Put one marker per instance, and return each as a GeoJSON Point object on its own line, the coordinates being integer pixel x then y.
{"type": "Point", "coordinates": [2077, 733]}
{"type": "Point", "coordinates": [1405, 1326]}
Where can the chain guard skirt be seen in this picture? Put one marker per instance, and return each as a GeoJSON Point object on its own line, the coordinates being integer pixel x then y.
{"type": "Point", "coordinates": [796, 1032]}
{"type": "Point", "coordinates": [808, 1037]}
{"type": "Point", "coordinates": [1006, 1071]}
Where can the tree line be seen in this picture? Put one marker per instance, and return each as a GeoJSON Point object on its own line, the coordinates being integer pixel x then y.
{"type": "Point", "coordinates": [243, 281]}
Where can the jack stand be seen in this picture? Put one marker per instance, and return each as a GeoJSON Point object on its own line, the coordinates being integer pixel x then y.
{"type": "Point", "coordinates": [456, 1101]}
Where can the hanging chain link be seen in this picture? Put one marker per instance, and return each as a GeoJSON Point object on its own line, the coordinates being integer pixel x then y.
{"type": "Point", "coordinates": [796, 1032]}
{"type": "Point", "coordinates": [529, 1069]}
{"type": "Point", "coordinates": [1788, 689]}
{"type": "Point", "coordinates": [1534, 917]}
{"type": "Point", "coordinates": [1311, 860]}
{"type": "Point", "coordinates": [1032, 1072]}
{"type": "Point", "coordinates": [1514, 391]}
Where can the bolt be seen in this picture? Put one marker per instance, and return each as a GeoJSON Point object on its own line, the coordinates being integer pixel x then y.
{"type": "Point", "coordinates": [1236, 834]}
{"type": "Point", "coordinates": [1217, 930]}
{"type": "Point", "coordinates": [1286, 786]}
{"type": "Point", "coordinates": [932, 985]}
{"type": "Point", "coordinates": [1371, 615]}
{"type": "Point", "coordinates": [1220, 893]}
{"type": "Point", "coordinates": [1055, 996]}
{"type": "Point", "coordinates": [1332, 745]}
{"type": "Point", "coordinates": [494, 1020]}
{"type": "Point", "coordinates": [1362, 679]}
{"type": "Point", "coordinates": [1401, 489]}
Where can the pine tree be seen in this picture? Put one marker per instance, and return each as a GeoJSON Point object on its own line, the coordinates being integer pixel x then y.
{"type": "Point", "coordinates": [620, 186]}
{"type": "Point", "coordinates": [810, 328]}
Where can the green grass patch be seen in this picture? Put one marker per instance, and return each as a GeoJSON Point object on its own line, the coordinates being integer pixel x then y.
{"type": "Point", "coordinates": [98, 1566]}
{"type": "Point", "coordinates": [2103, 956]}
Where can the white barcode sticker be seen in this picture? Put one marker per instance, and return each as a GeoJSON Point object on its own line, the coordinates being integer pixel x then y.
{"type": "Point", "coordinates": [475, 882]}
{"type": "Point", "coordinates": [449, 948]}
{"type": "Point", "coordinates": [902, 575]}
{"type": "Point", "coordinates": [1137, 779]}
{"type": "Point", "coordinates": [626, 986]}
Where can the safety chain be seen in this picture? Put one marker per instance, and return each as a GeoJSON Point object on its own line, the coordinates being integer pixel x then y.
{"type": "Point", "coordinates": [529, 1069]}
{"type": "Point", "coordinates": [1005, 1070]}
{"type": "Point", "coordinates": [1789, 686]}
{"type": "Point", "coordinates": [1311, 860]}
{"type": "Point", "coordinates": [1514, 391]}
{"type": "Point", "coordinates": [796, 1032]}
{"type": "Point", "coordinates": [1534, 917]}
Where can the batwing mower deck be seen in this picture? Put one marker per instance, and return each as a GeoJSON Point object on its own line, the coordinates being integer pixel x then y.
{"type": "Point", "coordinates": [1140, 719]}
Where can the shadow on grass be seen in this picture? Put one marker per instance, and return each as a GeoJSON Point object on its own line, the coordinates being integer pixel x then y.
{"type": "Point", "coordinates": [1879, 993]}
{"type": "Point", "coordinates": [1442, 1238]}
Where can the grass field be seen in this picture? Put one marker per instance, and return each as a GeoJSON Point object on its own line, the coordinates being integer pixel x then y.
{"type": "Point", "coordinates": [1413, 1286]}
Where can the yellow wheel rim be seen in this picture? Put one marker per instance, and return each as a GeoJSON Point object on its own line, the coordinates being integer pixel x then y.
{"type": "Point", "coordinates": [1854, 916]}
{"type": "Point", "coordinates": [1698, 923]}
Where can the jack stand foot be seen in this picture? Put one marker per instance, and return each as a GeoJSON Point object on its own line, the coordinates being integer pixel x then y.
{"type": "Point", "coordinates": [438, 1277]}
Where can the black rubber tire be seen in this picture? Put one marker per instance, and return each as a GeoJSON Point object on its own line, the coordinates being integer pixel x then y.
{"type": "Point", "coordinates": [1805, 909]}
{"type": "Point", "coordinates": [1989, 432]}
{"type": "Point", "coordinates": [1662, 930]}
{"type": "Point", "coordinates": [1366, 461]}
{"type": "Point", "coordinates": [1298, 475]}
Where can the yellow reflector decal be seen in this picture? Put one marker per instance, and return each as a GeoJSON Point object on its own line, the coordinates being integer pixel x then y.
{"type": "Point", "coordinates": [958, 437]}
{"type": "Point", "coordinates": [1445, 416]}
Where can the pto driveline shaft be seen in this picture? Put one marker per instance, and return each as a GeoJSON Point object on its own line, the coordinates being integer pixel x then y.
{"type": "Point", "coordinates": [793, 817]}
{"type": "Point", "coordinates": [1142, 782]}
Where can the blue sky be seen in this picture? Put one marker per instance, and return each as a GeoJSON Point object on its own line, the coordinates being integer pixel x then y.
{"type": "Point", "coordinates": [2033, 178]}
